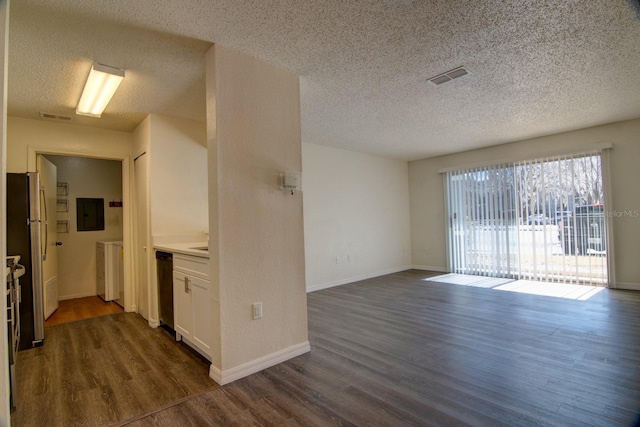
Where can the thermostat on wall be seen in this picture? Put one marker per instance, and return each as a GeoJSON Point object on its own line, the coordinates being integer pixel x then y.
{"type": "Point", "coordinates": [290, 181]}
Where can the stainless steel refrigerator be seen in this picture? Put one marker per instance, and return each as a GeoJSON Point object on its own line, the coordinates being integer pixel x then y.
{"type": "Point", "coordinates": [24, 225]}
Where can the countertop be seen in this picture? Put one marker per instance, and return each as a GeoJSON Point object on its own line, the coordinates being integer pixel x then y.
{"type": "Point", "coordinates": [188, 248]}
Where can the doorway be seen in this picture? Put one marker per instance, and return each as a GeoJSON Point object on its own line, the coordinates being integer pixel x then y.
{"type": "Point", "coordinates": [73, 245]}
{"type": "Point", "coordinates": [542, 220]}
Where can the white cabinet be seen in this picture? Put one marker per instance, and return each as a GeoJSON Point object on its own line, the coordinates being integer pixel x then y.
{"type": "Point", "coordinates": [182, 306]}
{"type": "Point", "coordinates": [109, 269]}
{"type": "Point", "coordinates": [191, 302]}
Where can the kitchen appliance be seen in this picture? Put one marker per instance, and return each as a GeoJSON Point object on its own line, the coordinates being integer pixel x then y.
{"type": "Point", "coordinates": [109, 271]}
{"type": "Point", "coordinates": [13, 320]}
{"type": "Point", "coordinates": [164, 262]}
{"type": "Point", "coordinates": [24, 234]}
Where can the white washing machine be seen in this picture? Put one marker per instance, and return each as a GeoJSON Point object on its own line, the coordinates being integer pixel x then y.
{"type": "Point", "coordinates": [109, 270]}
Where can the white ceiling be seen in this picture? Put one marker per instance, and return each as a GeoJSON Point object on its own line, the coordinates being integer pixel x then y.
{"type": "Point", "coordinates": [537, 67]}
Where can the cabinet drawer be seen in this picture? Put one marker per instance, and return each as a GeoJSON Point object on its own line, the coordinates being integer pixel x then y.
{"type": "Point", "coordinates": [180, 278]}
{"type": "Point", "coordinates": [195, 266]}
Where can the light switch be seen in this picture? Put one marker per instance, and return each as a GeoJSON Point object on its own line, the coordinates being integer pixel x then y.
{"type": "Point", "coordinates": [257, 310]}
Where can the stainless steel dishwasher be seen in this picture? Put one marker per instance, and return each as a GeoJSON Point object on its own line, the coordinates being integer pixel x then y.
{"type": "Point", "coordinates": [164, 262]}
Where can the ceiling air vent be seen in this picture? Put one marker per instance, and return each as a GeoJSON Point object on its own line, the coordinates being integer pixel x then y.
{"type": "Point", "coordinates": [51, 116]}
{"type": "Point", "coordinates": [449, 75]}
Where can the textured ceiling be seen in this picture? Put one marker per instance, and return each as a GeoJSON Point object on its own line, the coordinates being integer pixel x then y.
{"type": "Point", "coordinates": [537, 67]}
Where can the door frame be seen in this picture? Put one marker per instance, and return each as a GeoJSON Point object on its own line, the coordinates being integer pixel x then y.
{"type": "Point", "coordinates": [601, 149]}
{"type": "Point", "coordinates": [127, 220]}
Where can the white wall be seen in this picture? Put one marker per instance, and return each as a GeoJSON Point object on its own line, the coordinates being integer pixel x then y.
{"type": "Point", "coordinates": [141, 138]}
{"type": "Point", "coordinates": [177, 194]}
{"type": "Point", "coordinates": [178, 176]}
{"type": "Point", "coordinates": [427, 194]}
{"type": "Point", "coordinates": [60, 138]}
{"type": "Point", "coordinates": [88, 178]}
{"type": "Point", "coordinates": [4, 353]}
{"type": "Point", "coordinates": [253, 111]}
{"type": "Point", "coordinates": [356, 209]}
{"type": "Point", "coordinates": [26, 137]}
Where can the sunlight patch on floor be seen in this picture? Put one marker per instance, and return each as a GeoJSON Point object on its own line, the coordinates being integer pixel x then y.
{"type": "Point", "coordinates": [469, 280]}
{"type": "Point", "coordinates": [558, 290]}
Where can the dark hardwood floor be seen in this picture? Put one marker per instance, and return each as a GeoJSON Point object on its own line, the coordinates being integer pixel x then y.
{"type": "Point", "coordinates": [102, 371]}
{"type": "Point", "coordinates": [397, 350]}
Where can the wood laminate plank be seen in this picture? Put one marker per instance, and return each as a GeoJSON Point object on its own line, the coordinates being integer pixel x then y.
{"type": "Point", "coordinates": [82, 308]}
{"type": "Point", "coordinates": [104, 370]}
{"type": "Point", "coordinates": [393, 350]}
{"type": "Point", "coordinates": [397, 350]}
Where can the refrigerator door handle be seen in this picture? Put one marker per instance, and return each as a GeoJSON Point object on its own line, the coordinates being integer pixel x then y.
{"type": "Point", "coordinates": [46, 241]}
{"type": "Point", "coordinates": [46, 223]}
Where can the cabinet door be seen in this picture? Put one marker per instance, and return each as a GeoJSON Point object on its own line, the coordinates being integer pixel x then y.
{"type": "Point", "coordinates": [201, 313]}
{"type": "Point", "coordinates": [182, 311]}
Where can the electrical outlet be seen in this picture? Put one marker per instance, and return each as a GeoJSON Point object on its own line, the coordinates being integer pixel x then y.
{"type": "Point", "coordinates": [257, 310]}
{"type": "Point", "coordinates": [337, 260]}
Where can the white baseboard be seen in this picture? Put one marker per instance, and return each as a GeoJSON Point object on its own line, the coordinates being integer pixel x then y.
{"type": "Point", "coordinates": [65, 297]}
{"type": "Point", "coordinates": [627, 286]}
{"type": "Point", "coordinates": [230, 375]}
{"type": "Point", "coordinates": [154, 323]}
{"type": "Point", "coordinates": [340, 282]}
{"type": "Point", "coordinates": [430, 268]}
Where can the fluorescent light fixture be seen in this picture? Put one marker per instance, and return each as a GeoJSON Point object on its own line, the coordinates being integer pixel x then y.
{"type": "Point", "coordinates": [98, 90]}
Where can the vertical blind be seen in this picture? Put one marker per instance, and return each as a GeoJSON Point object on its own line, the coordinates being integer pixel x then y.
{"type": "Point", "coordinates": [481, 204]}
{"type": "Point", "coordinates": [537, 220]}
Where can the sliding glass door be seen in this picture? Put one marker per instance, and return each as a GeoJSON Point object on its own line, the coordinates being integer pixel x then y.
{"type": "Point", "coordinates": [483, 221]}
{"type": "Point", "coordinates": [538, 220]}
